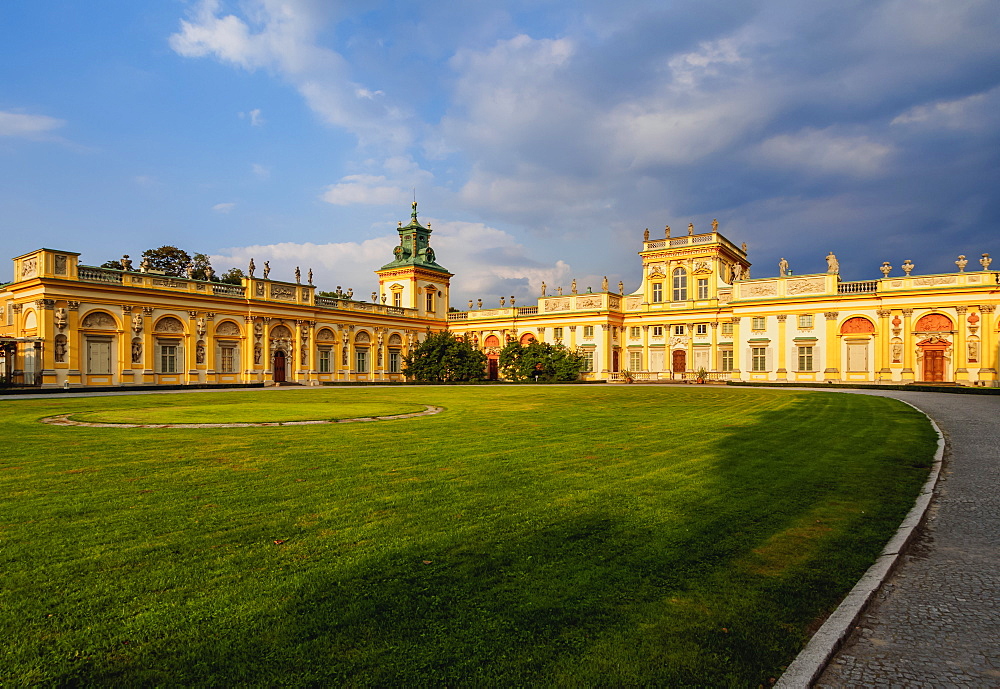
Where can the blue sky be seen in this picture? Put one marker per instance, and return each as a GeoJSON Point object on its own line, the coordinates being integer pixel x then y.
{"type": "Point", "coordinates": [541, 137]}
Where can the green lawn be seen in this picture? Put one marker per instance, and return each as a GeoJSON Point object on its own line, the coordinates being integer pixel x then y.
{"type": "Point", "coordinates": [549, 535]}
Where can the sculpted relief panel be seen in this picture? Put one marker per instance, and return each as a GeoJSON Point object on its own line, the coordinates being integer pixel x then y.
{"type": "Point", "coordinates": [807, 286]}
{"type": "Point", "coordinates": [557, 305]}
{"type": "Point", "coordinates": [933, 322]}
{"type": "Point", "coordinates": [227, 328]}
{"type": "Point", "coordinates": [98, 319]}
{"type": "Point", "coordinates": [589, 302]}
{"type": "Point", "coordinates": [169, 325]}
{"type": "Point", "coordinates": [763, 289]}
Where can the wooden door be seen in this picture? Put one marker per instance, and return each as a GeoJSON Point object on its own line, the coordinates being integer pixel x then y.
{"type": "Point", "coordinates": [933, 366]}
{"type": "Point", "coordinates": [680, 361]}
{"type": "Point", "coordinates": [494, 371]}
{"type": "Point", "coordinates": [614, 360]}
{"type": "Point", "coordinates": [279, 366]}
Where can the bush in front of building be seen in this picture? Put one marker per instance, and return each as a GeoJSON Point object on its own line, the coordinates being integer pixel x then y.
{"type": "Point", "coordinates": [443, 358]}
{"type": "Point", "coordinates": [539, 361]}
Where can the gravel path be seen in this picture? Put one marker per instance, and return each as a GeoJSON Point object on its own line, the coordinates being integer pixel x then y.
{"type": "Point", "coordinates": [936, 620]}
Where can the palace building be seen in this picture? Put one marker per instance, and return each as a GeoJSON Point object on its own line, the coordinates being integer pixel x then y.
{"type": "Point", "coordinates": [696, 314]}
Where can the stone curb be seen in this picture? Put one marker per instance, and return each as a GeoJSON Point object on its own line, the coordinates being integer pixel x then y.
{"type": "Point", "coordinates": [813, 659]}
{"type": "Point", "coordinates": [64, 420]}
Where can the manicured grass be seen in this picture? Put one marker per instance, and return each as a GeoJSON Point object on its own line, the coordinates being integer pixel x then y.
{"type": "Point", "coordinates": [241, 409]}
{"type": "Point", "coordinates": [580, 536]}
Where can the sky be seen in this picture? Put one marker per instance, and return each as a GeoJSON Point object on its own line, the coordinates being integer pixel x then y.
{"type": "Point", "coordinates": [539, 137]}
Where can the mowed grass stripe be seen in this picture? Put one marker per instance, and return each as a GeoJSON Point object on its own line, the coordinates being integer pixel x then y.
{"type": "Point", "coordinates": [573, 535]}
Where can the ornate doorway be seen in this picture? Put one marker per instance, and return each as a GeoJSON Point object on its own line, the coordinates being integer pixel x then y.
{"type": "Point", "coordinates": [279, 366]}
{"type": "Point", "coordinates": [934, 361]}
{"type": "Point", "coordinates": [679, 361]}
{"type": "Point", "coordinates": [494, 371]}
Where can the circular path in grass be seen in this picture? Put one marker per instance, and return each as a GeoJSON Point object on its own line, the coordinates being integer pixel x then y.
{"type": "Point", "coordinates": [190, 417]}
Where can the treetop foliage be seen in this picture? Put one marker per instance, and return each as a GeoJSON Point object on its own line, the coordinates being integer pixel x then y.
{"type": "Point", "coordinates": [443, 358]}
{"type": "Point", "coordinates": [539, 361]}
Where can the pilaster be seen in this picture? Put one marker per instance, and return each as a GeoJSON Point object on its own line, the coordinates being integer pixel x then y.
{"type": "Point", "coordinates": [782, 371]}
{"type": "Point", "coordinates": [961, 353]}
{"type": "Point", "coordinates": [832, 370]}
{"type": "Point", "coordinates": [908, 347]}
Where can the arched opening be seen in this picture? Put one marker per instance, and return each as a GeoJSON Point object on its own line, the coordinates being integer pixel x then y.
{"type": "Point", "coordinates": [933, 360]}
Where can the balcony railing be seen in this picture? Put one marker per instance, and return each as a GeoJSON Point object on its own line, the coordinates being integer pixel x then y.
{"type": "Point", "coordinates": [228, 290]}
{"type": "Point", "coordinates": [91, 274]}
{"type": "Point", "coordinates": [863, 287]}
{"type": "Point", "coordinates": [527, 310]}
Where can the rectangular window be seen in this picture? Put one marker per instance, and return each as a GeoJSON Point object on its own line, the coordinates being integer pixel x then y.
{"type": "Point", "coordinates": [727, 329]}
{"type": "Point", "coordinates": [727, 359]}
{"type": "Point", "coordinates": [678, 330]}
{"type": "Point", "coordinates": [758, 358]}
{"type": "Point", "coordinates": [680, 285]}
{"type": "Point", "coordinates": [557, 333]}
{"type": "Point", "coordinates": [657, 291]}
{"type": "Point", "coordinates": [361, 361]}
{"type": "Point", "coordinates": [758, 323]}
{"type": "Point", "coordinates": [805, 321]}
{"type": "Point", "coordinates": [397, 299]}
{"type": "Point", "coordinates": [394, 361]}
{"type": "Point", "coordinates": [99, 356]}
{"type": "Point", "coordinates": [227, 359]}
{"type": "Point", "coordinates": [805, 358]}
{"type": "Point", "coordinates": [702, 288]}
{"type": "Point", "coordinates": [635, 361]}
{"type": "Point", "coordinates": [588, 331]}
{"type": "Point", "coordinates": [168, 358]}
{"type": "Point", "coordinates": [588, 361]}
{"type": "Point", "coordinates": [10, 313]}
{"type": "Point", "coordinates": [701, 329]}
{"type": "Point", "coordinates": [325, 361]}
{"type": "Point", "coordinates": [657, 331]}
{"type": "Point", "coordinates": [430, 302]}
{"type": "Point", "coordinates": [633, 332]}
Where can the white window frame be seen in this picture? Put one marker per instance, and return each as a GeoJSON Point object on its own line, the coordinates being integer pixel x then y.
{"type": "Point", "coordinates": [703, 288]}
{"type": "Point", "coordinates": [557, 333]}
{"type": "Point", "coordinates": [635, 361]}
{"type": "Point", "coordinates": [361, 360]}
{"type": "Point", "coordinates": [588, 332]}
{"type": "Point", "coordinates": [758, 359]}
{"type": "Point", "coordinates": [657, 331]}
{"type": "Point", "coordinates": [758, 323]}
{"type": "Point", "coordinates": [701, 329]}
{"type": "Point", "coordinates": [726, 360]}
{"type": "Point", "coordinates": [325, 360]}
{"type": "Point", "coordinates": [395, 361]}
{"type": "Point", "coordinates": [806, 358]}
{"type": "Point", "coordinates": [680, 287]}
{"type": "Point", "coordinates": [805, 321]}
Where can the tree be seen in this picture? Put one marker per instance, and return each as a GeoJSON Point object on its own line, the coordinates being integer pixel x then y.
{"type": "Point", "coordinates": [201, 267]}
{"type": "Point", "coordinates": [113, 265]}
{"type": "Point", "coordinates": [233, 276]}
{"type": "Point", "coordinates": [167, 259]}
{"type": "Point", "coordinates": [443, 358]}
{"type": "Point", "coordinates": [539, 361]}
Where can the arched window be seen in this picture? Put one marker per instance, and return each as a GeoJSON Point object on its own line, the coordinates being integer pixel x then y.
{"type": "Point", "coordinates": [680, 285]}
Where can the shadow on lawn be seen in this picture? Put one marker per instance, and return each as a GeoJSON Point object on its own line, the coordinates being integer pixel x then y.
{"type": "Point", "coordinates": [600, 596]}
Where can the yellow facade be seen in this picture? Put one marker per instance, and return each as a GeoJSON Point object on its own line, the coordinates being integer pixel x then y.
{"type": "Point", "coordinates": [698, 311]}
{"type": "Point", "coordinates": [68, 325]}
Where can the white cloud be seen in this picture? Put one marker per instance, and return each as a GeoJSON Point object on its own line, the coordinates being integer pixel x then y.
{"type": "Point", "coordinates": [256, 119]}
{"type": "Point", "coordinates": [261, 171]}
{"type": "Point", "coordinates": [969, 113]}
{"type": "Point", "coordinates": [27, 126]}
{"type": "Point", "coordinates": [281, 35]}
{"type": "Point", "coordinates": [363, 189]}
{"type": "Point", "coordinates": [826, 152]}
{"type": "Point", "coordinates": [223, 207]}
{"type": "Point", "coordinates": [492, 262]}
